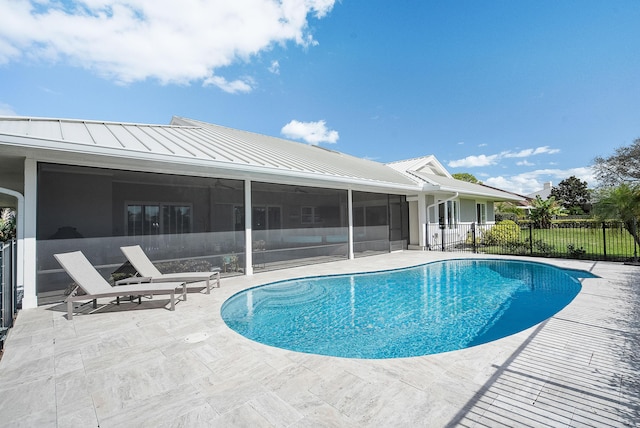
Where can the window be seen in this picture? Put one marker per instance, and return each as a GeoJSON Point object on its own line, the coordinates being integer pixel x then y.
{"type": "Point", "coordinates": [481, 213]}
{"type": "Point", "coordinates": [156, 219]}
{"type": "Point", "coordinates": [452, 214]}
{"type": "Point", "coordinates": [448, 213]}
{"type": "Point", "coordinates": [266, 218]}
{"type": "Point", "coordinates": [309, 215]}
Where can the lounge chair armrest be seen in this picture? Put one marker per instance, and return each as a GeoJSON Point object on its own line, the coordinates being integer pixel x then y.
{"type": "Point", "coordinates": [134, 280]}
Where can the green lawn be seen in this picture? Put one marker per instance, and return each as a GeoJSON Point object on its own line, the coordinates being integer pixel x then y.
{"type": "Point", "coordinates": [572, 242]}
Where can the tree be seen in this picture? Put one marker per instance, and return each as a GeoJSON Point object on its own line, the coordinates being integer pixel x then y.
{"type": "Point", "coordinates": [545, 210]}
{"type": "Point", "coordinates": [509, 211]}
{"type": "Point", "coordinates": [572, 194]}
{"type": "Point", "coordinates": [465, 176]}
{"type": "Point", "coordinates": [623, 202]}
{"type": "Point", "coordinates": [7, 224]}
{"type": "Point", "coordinates": [621, 167]}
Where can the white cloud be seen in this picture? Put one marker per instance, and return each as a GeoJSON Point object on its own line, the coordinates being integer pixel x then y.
{"type": "Point", "coordinates": [525, 163]}
{"type": "Point", "coordinates": [6, 110]}
{"type": "Point", "coordinates": [486, 160]}
{"type": "Point", "coordinates": [532, 181]}
{"type": "Point", "coordinates": [530, 152]}
{"type": "Point", "coordinates": [230, 87]}
{"type": "Point", "coordinates": [167, 40]}
{"type": "Point", "coordinates": [311, 132]}
{"type": "Point", "coordinates": [274, 67]}
{"type": "Point", "coordinates": [474, 161]}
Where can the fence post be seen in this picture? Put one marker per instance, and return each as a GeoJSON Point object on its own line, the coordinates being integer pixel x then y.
{"type": "Point", "coordinates": [473, 236]}
{"type": "Point", "coordinates": [531, 238]}
{"type": "Point", "coordinates": [635, 244]}
{"type": "Point", "coordinates": [604, 239]}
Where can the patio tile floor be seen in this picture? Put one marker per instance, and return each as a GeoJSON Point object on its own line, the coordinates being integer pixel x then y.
{"type": "Point", "coordinates": [135, 366]}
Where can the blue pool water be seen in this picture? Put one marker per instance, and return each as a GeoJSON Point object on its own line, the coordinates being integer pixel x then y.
{"type": "Point", "coordinates": [427, 309]}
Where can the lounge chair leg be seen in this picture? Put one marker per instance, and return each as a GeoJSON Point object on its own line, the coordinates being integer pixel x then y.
{"type": "Point", "coordinates": [95, 303]}
{"type": "Point", "coordinates": [218, 278]}
{"type": "Point", "coordinates": [69, 310]}
{"type": "Point", "coordinates": [173, 301]}
{"type": "Point", "coordinates": [139, 300]}
{"type": "Point", "coordinates": [118, 300]}
{"type": "Point", "coordinates": [208, 286]}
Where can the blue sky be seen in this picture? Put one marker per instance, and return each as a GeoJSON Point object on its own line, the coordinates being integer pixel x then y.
{"type": "Point", "coordinates": [514, 92]}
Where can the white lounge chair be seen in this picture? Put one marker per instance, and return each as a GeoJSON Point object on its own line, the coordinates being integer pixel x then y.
{"type": "Point", "coordinates": [146, 269]}
{"type": "Point", "coordinates": [95, 286]}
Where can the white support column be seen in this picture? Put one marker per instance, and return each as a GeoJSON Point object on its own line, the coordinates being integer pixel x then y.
{"type": "Point", "coordinates": [350, 216]}
{"type": "Point", "coordinates": [30, 299]}
{"type": "Point", "coordinates": [422, 220]}
{"type": "Point", "coordinates": [248, 235]}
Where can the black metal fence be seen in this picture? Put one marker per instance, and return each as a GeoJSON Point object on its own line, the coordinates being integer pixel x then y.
{"type": "Point", "coordinates": [588, 240]}
{"type": "Point", "coordinates": [8, 288]}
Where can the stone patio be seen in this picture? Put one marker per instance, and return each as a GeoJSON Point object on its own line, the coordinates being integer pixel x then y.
{"type": "Point", "coordinates": [139, 366]}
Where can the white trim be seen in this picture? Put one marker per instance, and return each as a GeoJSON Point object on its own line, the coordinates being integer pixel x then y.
{"type": "Point", "coordinates": [422, 219]}
{"type": "Point", "coordinates": [350, 229]}
{"type": "Point", "coordinates": [248, 233]}
{"type": "Point", "coordinates": [30, 298]}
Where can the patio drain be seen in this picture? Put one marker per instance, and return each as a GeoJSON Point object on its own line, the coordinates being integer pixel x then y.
{"type": "Point", "coordinates": [196, 337]}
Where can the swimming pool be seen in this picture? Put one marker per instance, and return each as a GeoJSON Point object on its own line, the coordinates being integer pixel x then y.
{"type": "Point", "coordinates": [427, 309]}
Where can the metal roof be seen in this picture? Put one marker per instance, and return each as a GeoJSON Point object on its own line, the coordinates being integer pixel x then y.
{"type": "Point", "coordinates": [431, 173]}
{"type": "Point", "coordinates": [464, 187]}
{"type": "Point", "coordinates": [199, 143]}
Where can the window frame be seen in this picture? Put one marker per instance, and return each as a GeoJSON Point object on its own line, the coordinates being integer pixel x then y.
{"type": "Point", "coordinates": [161, 226]}
{"type": "Point", "coordinates": [481, 212]}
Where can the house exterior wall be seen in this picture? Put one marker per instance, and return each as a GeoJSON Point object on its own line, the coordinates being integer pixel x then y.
{"type": "Point", "coordinates": [432, 212]}
{"type": "Point", "coordinates": [467, 210]}
{"type": "Point", "coordinates": [491, 214]}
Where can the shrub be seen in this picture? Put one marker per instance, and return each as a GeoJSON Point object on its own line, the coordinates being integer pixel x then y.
{"type": "Point", "coordinates": [505, 232]}
{"type": "Point", "coordinates": [185, 265]}
{"type": "Point", "coordinates": [7, 224]}
{"type": "Point", "coordinates": [517, 247]}
{"type": "Point", "coordinates": [575, 252]}
{"type": "Point", "coordinates": [500, 217]}
{"type": "Point", "coordinates": [542, 247]}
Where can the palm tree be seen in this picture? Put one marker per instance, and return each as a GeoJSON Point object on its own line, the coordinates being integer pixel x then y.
{"type": "Point", "coordinates": [621, 202]}
{"type": "Point", "coordinates": [545, 210]}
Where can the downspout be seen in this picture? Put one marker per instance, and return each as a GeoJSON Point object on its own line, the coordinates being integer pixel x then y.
{"type": "Point", "coordinates": [433, 205]}
{"type": "Point", "coordinates": [441, 202]}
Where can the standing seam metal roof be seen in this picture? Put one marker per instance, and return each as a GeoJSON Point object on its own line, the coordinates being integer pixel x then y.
{"type": "Point", "coordinates": [190, 139]}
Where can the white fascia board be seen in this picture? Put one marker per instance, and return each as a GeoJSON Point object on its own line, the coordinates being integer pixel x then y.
{"type": "Point", "coordinates": [487, 196]}
{"type": "Point", "coordinates": [431, 187]}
